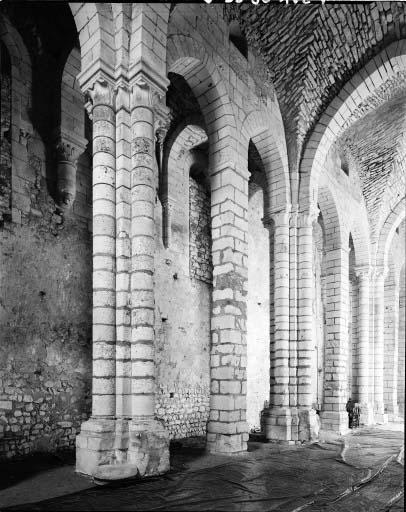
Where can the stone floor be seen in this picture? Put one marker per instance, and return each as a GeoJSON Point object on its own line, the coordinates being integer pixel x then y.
{"type": "Point", "coordinates": [362, 471]}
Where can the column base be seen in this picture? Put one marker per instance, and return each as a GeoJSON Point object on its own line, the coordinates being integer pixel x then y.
{"type": "Point", "coordinates": [95, 445]}
{"type": "Point", "coordinates": [335, 422]}
{"type": "Point", "coordinates": [381, 418]}
{"type": "Point", "coordinates": [148, 448]}
{"type": "Point", "coordinates": [227, 444]}
{"type": "Point", "coordinates": [366, 416]}
{"type": "Point", "coordinates": [281, 425]}
{"type": "Point", "coordinates": [309, 425]}
{"type": "Point", "coordinates": [118, 449]}
{"type": "Point", "coordinates": [393, 411]}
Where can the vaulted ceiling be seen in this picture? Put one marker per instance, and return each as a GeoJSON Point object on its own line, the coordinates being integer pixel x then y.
{"type": "Point", "coordinates": [311, 52]}
{"type": "Point", "coordinates": [377, 142]}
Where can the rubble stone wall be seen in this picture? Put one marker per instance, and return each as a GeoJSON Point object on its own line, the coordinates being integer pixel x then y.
{"type": "Point", "coordinates": [45, 295]}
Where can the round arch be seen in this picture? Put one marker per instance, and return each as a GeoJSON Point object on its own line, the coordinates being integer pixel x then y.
{"type": "Point", "coordinates": [21, 69]}
{"type": "Point", "coordinates": [177, 160]}
{"type": "Point", "coordinates": [333, 224]}
{"type": "Point", "coordinates": [188, 58]}
{"type": "Point", "coordinates": [273, 153]}
{"type": "Point", "coordinates": [359, 229]}
{"type": "Point", "coordinates": [388, 229]}
{"type": "Point", "coordinates": [94, 23]}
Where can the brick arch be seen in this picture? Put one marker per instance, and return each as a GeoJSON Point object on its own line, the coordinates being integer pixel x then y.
{"type": "Point", "coordinates": [366, 81]}
{"type": "Point", "coordinates": [94, 23]}
{"type": "Point", "coordinates": [273, 154]}
{"type": "Point", "coordinates": [188, 57]}
{"type": "Point", "coordinates": [388, 229]}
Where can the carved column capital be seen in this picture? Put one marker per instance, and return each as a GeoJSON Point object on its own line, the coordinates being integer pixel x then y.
{"type": "Point", "coordinates": [293, 216]}
{"type": "Point", "coordinates": [278, 218]}
{"type": "Point", "coordinates": [100, 93]}
{"type": "Point", "coordinates": [24, 136]}
{"type": "Point", "coordinates": [143, 94]}
{"type": "Point", "coordinates": [308, 217]}
{"type": "Point", "coordinates": [163, 119]}
{"type": "Point", "coordinates": [380, 271]}
{"type": "Point", "coordinates": [68, 149]}
{"type": "Point", "coordinates": [363, 272]}
{"type": "Point", "coordinates": [123, 96]}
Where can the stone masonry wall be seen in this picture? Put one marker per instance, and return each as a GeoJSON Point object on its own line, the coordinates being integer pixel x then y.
{"type": "Point", "coordinates": [45, 297]}
{"type": "Point", "coordinates": [45, 325]}
{"type": "Point", "coordinates": [182, 331]}
{"type": "Point", "coordinates": [5, 134]}
{"type": "Point", "coordinates": [199, 233]}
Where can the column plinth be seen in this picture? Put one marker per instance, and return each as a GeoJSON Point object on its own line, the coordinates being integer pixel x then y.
{"type": "Point", "coordinates": [366, 416]}
{"type": "Point", "coordinates": [335, 422]}
{"type": "Point", "coordinates": [95, 445]}
{"type": "Point", "coordinates": [281, 424]}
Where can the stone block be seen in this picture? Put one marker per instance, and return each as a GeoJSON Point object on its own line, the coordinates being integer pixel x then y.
{"type": "Point", "coordinates": [148, 448]}
{"type": "Point", "coordinates": [234, 444]}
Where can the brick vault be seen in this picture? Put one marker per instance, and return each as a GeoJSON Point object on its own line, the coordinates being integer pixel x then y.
{"type": "Point", "coordinates": [201, 226]}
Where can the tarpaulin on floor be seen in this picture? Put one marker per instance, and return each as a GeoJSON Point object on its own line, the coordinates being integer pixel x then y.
{"type": "Point", "coordinates": [364, 473]}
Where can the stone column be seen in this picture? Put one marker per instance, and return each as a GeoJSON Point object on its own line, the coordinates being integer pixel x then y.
{"type": "Point", "coordinates": [308, 420]}
{"type": "Point", "coordinates": [379, 410]}
{"type": "Point", "coordinates": [391, 328]}
{"type": "Point", "coordinates": [334, 415]}
{"type": "Point", "coordinates": [123, 254]}
{"type": "Point", "coordinates": [278, 418]}
{"type": "Point", "coordinates": [95, 443]}
{"type": "Point", "coordinates": [293, 282]}
{"type": "Point", "coordinates": [227, 429]}
{"type": "Point", "coordinates": [364, 275]}
{"type": "Point", "coordinates": [148, 440]}
{"type": "Point", "coordinates": [68, 150]}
